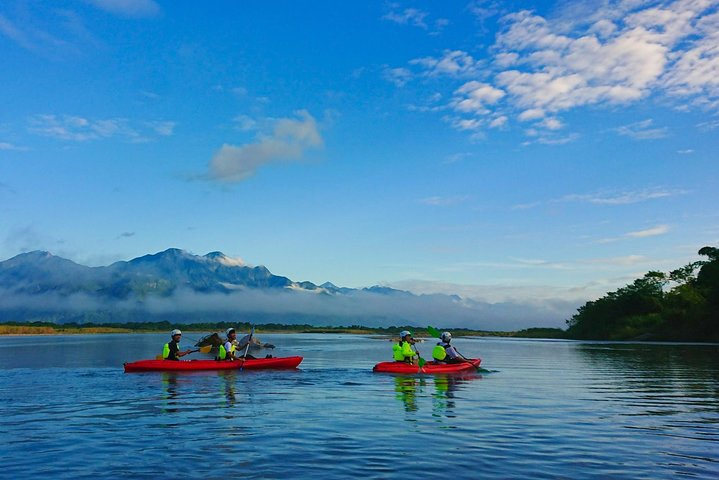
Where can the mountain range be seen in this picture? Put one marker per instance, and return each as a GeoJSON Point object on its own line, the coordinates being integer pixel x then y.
{"type": "Point", "coordinates": [175, 284]}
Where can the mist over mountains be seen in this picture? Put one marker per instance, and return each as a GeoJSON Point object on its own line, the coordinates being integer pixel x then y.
{"type": "Point", "coordinates": [175, 285]}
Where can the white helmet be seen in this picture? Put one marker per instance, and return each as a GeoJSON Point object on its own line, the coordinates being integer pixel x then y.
{"type": "Point", "coordinates": [229, 331]}
{"type": "Point", "coordinates": [404, 333]}
{"type": "Point", "coordinates": [175, 332]}
{"type": "Point", "coordinates": [446, 337]}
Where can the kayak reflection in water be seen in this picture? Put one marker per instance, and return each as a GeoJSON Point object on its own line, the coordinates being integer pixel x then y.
{"type": "Point", "coordinates": [443, 352]}
{"type": "Point", "coordinates": [171, 350]}
{"type": "Point", "coordinates": [406, 389]}
{"type": "Point", "coordinates": [402, 351]}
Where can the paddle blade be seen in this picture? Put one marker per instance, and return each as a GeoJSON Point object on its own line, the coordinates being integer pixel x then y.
{"type": "Point", "coordinates": [159, 357]}
{"type": "Point", "coordinates": [421, 362]}
{"type": "Point", "coordinates": [205, 349]}
{"type": "Point", "coordinates": [434, 332]}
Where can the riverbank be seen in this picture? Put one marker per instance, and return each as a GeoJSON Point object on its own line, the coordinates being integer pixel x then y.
{"type": "Point", "coordinates": [45, 328]}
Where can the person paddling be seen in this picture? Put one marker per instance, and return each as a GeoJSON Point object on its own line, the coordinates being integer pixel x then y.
{"type": "Point", "coordinates": [171, 350]}
{"type": "Point", "coordinates": [402, 351]}
{"type": "Point", "coordinates": [443, 352]}
{"type": "Point", "coordinates": [228, 350]}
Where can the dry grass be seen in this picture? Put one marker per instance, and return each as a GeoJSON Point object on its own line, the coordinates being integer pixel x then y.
{"type": "Point", "coordinates": [45, 330]}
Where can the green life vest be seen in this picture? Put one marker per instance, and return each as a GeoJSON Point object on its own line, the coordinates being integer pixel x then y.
{"type": "Point", "coordinates": [397, 353]}
{"type": "Point", "coordinates": [166, 351]}
{"type": "Point", "coordinates": [439, 353]}
{"type": "Point", "coordinates": [222, 351]}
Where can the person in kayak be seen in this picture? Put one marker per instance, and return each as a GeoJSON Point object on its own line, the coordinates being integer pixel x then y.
{"type": "Point", "coordinates": [171, 350]}
{"type": "Point", "coordinates": [402, 351]}
{"type": "Point", "coordinates": [443, 352]}
{"type": "Point", "coordinates": [228, 351]}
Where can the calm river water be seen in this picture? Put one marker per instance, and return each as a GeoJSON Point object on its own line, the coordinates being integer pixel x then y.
{"type": "Point", "coordinates": [546, 409]}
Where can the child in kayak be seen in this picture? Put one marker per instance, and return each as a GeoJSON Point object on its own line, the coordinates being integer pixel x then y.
{"type": "Point", "coordinates": [402, 351]}
{"type": "Point", "coordinates": [228, 351]}
{"type": "Point", "coordinates": [446, 353]}
{"type": "Point", "coordinates": [171, 350]}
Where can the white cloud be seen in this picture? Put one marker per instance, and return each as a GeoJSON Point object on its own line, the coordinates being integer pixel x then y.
{"type": "Point", "coordinates": [438, 201]}
{"type": "Point", "coordinates": [165, 129]}
{"type": "Point", "coordinates": [551, 123]}
{"type": "Point", "coordinates": [398, 76]}
{"type": "Point", "coordinates": [531, 114]}
{"type": "Point", "coordinates": [289, 139]}
{"type": "Point", "coordinates": [244, 123]}
{"type": "Point", "coordinates": [642, 130]}
{"type": "Point", "coordinates": [452, 63]}
{"type": "Point", "coordinates": [79, 129]}
{"type": "Point", "coordinates": [612, 53]}
{"type": "Point", "coordinates": [408, 16]}
{"type": "Point", "coordinates": [622, 198]}
{"type": "Point", "coordinates": [11, 147]}
{"type": "Point", "coordinates": [128, 8]}
{"type": "Point", "coordinates": [649, 232]}
{"type": "Point", "coordinates": [475, 97]}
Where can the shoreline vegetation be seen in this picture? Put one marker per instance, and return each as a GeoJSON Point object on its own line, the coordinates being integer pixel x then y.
{"type": "Point", "coordinates": [49, 328]}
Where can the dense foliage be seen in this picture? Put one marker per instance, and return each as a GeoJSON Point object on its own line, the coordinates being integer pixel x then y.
{"type": "Point", "coordinates": [680, 305]}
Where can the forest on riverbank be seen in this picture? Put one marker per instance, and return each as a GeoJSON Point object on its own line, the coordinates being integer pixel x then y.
{"type": "Point", "coordinates": [681, 305]}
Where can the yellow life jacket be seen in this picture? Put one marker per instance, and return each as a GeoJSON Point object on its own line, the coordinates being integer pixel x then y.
{"type": "Point", "coordinates": [439, 353]}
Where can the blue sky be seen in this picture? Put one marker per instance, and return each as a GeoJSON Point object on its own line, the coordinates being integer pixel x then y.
{"type": "Point", "coordinates": [505, 151]}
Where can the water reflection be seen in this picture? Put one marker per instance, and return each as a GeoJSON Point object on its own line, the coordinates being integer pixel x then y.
{"type": "Point", "coordinates": [659, 379]}
{"type": "Point", "coordinates": [407, 389]}
{"type": "Point", "coordinates": [170, 384]}
{"type": "Point", "coordinates": [229, 378]}
{"type": "Point", "coordinates": [410, 390]}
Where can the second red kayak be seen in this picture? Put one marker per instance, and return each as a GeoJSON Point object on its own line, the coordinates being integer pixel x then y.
{"type": "Point", "coordinates": [198, 365]}
{"type": "Point", "coordinates": [429, 367]}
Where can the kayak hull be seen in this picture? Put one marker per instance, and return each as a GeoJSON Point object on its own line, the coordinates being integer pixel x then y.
{"type": "Point", "coordinates": [204, 365]}
{"type": "Point", "coordinates": [429, 367]}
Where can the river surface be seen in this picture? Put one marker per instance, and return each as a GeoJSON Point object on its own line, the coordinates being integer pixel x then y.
{"type": "Point", "coordinates": [540, 409]}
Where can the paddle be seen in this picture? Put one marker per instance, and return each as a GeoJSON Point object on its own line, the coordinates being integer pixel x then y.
{"type": "Point", "coordinates": [247, 348]}
{"type": "Point", "coordinates": [421, 361]}
{"type": "Point", "coordinates": [205, 349]}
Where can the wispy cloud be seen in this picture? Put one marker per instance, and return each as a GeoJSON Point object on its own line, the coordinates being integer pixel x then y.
{"type": "Point", "coordinates": [452, 63]}
{"type": "Point", "coordinates": [649, 232]}
{"type": "Point", "coordinates": [288, 141]}
{"type": "Point", "coordinates": [438, 201]}
{"type": "Point", "coordinates": [642, 130]}
{"type": "Point", "coordinates": [398, 76]}
{"type": "Point", "coordinates": [407, 16]}
{"type": "Point", "coordinates": [416, 18]}
{"type": "Point", "coordinates": [128, 8]}
{"type": "Point", "coordinates": [12, 147]}
{"type": "Point", "coordinates": [79, 129]}
{"type": "Point", "coordinates": [622, 198]}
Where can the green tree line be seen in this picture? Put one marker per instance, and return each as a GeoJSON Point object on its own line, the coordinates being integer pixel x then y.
{"type": "Point", "coordinates": [682, 305]}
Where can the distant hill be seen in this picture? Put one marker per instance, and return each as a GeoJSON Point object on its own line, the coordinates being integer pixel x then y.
{"type": "Point", "coordinates": [177, 286]}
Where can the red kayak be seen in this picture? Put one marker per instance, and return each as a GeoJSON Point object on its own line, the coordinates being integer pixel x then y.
{"type": "Point", "coordinates": [197, 365]}
{"type": "Point", "coordinates": [429, 367]}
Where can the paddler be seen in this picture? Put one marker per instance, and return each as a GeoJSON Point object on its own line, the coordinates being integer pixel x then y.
{"type": "Point", "coordinates": [171, 350]}
{"type": "Point", "coordinates": [402, 351]}
{"type": "Point", "coordinates": [228, 350]}
{"type": "Point", "coordinates": [443, 352]}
